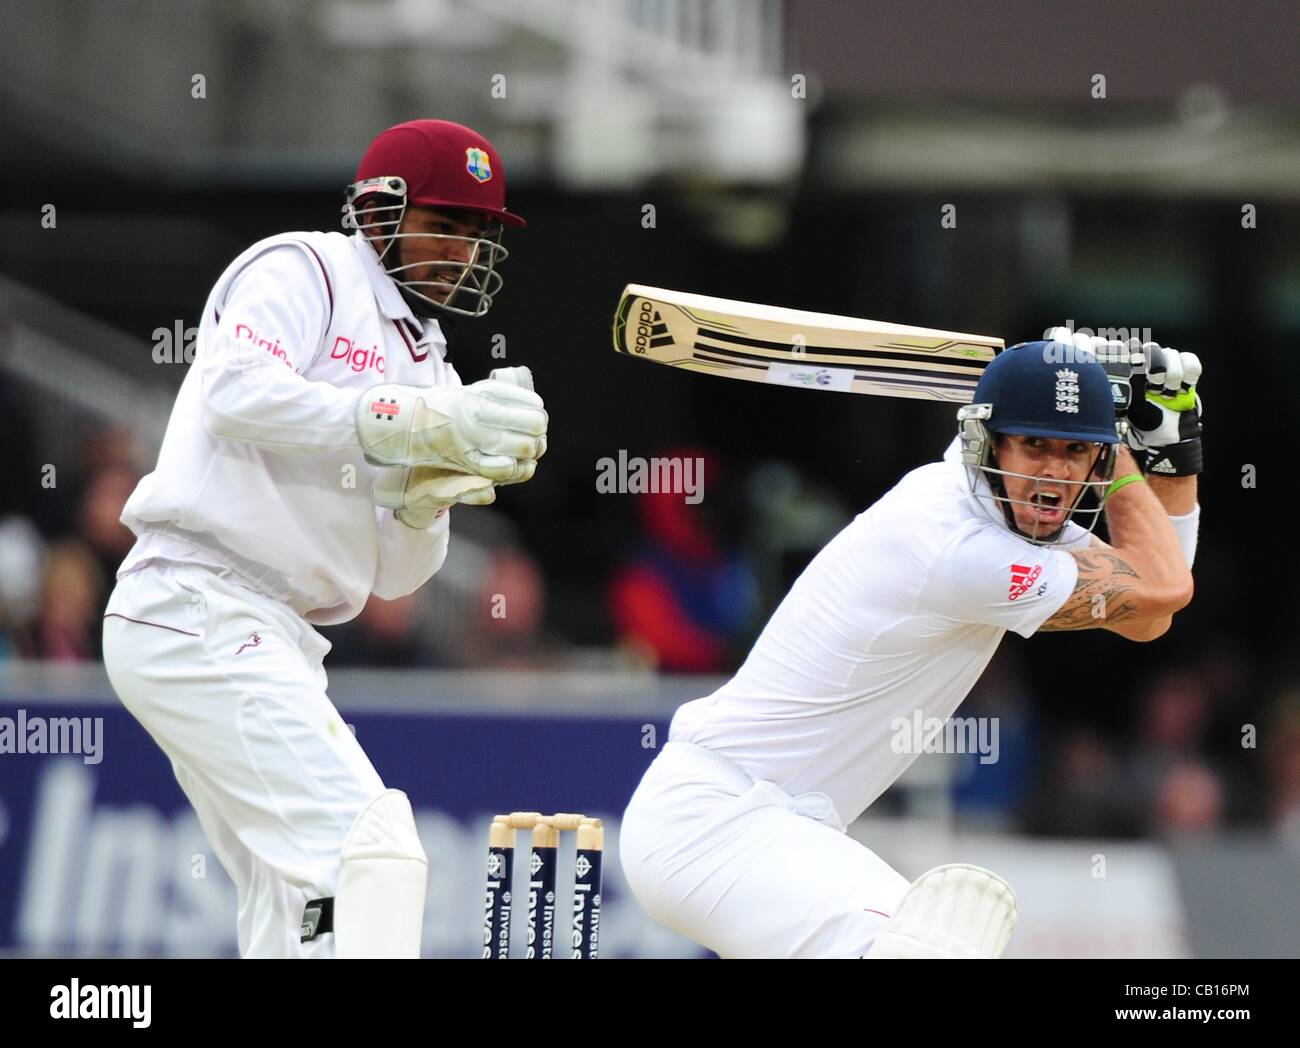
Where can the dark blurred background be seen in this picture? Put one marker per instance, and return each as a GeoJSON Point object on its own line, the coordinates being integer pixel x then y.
{"type": "Point", "coordinates": [799, 153]}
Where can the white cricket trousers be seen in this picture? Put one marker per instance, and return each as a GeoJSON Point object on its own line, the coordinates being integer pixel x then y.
{"type": "Point", "coordinates": [744, 869]}
{"type": "Point", "coordinates": [230, 685]}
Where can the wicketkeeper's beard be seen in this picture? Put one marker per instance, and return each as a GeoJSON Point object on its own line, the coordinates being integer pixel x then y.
{"type": "Point", "coordinates": [423, 305]}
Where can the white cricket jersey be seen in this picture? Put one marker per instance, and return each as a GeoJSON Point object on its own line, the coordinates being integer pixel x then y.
{"type": "Point", "coordinates": [261, 471]}
{"type": "Point", "coordinates": [901, 611]}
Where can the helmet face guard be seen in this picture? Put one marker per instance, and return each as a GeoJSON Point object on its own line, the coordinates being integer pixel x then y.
{"type": "Point", "coordinates": [467, 287]}
{"type": "Point", "coordinates": [977, 455]}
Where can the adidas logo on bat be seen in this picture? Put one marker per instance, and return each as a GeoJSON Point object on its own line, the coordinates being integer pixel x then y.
{"type": "Point", "coordinates": [651, 331]}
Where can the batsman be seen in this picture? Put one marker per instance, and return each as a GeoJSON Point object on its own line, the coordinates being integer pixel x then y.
{"type": "Point", "coordinates": [315, 450]}
{"type": "Point", "coordinates": [736, 837]}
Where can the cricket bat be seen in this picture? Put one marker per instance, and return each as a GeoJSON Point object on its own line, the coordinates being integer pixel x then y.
{"type": "Point", "coordinates": [792, 347]}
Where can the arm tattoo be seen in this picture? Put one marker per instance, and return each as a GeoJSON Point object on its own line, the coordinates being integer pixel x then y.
{"type": "Point", "coordinates": [1091, 562]}
{"type": "Point", "coordinates": [1101, 595]}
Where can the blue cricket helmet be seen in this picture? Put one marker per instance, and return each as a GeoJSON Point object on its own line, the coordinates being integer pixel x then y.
{"type": "Point", "coordinates": [1035, 394]}
{"type": "Point", "coordinates": [1035, 390]}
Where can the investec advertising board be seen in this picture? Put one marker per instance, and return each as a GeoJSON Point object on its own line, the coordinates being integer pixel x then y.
{"type": "Point", "coordinates": [101, 854]}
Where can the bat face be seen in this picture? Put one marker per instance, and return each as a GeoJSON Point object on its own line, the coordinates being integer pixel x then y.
{"type": "Point", "coordinates": [791, 347]}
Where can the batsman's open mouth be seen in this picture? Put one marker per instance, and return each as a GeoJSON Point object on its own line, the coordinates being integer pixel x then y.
{"type": "Point", "coordinates": [1049, 509]}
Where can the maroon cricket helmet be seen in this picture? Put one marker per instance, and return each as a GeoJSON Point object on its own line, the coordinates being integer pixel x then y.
{"type": "Point", "coordinates": [443, 164]}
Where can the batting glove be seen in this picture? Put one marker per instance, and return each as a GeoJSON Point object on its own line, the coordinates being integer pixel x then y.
{"type": "Point", "coordinates": [1165, 419]}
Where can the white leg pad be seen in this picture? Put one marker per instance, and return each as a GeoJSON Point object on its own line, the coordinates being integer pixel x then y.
{"type": "Point", "coordinates": [379, 902]}
{"type": "Point", "coordinates": [954, 911]}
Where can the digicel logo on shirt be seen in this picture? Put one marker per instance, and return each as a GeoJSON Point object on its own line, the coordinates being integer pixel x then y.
{"type": "Point", "coordinates": [270, 343]}
{"type": "Point", "coordinates": [1022, 578]}
{"type": "Point", "coordinates": [358, 357]}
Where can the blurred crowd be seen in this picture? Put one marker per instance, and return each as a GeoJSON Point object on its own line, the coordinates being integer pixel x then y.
{"type": "Point", "coordinates": [1188, 751]}
{"type": "Point", "coordinates": [60, 537]}
{"type": "Point", "coordinates": [1179, 752]}
{"type": "Point", "coordinates": [680, 597]}
{"type": "Point", "coordinates": [62, 540]}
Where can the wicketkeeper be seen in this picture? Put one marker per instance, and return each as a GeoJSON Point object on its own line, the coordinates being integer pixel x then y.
{"type": "Point", "coordinates": [315, 449]}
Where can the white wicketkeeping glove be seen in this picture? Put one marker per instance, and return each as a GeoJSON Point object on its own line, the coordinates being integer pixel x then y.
{"type": "Point", "coordinates": [492, 429]}
{"type": "Point", "coordinates": [523, 378]}
{"type": "Point", "coordinates": [419, 493]}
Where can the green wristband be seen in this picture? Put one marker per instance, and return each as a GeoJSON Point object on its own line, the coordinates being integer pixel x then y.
{"type": "Point", "coordinates": [1132, 478]}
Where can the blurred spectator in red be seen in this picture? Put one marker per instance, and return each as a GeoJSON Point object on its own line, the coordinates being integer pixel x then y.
{"type": "Point", "coordinates": [72, 605]}
{"type": "Point", "coordinates": [684, 598]}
